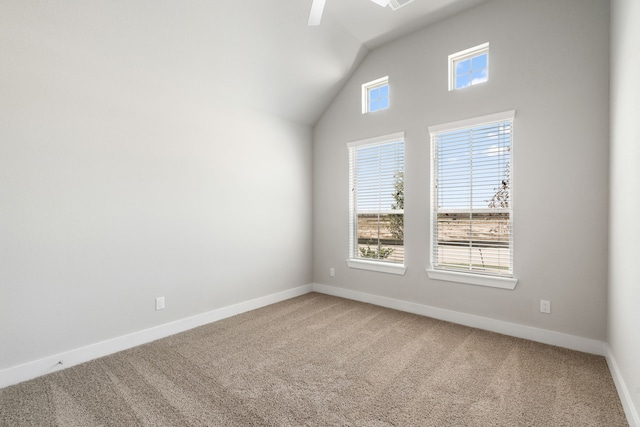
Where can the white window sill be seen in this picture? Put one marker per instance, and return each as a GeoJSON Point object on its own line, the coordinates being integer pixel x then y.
{"type": "Point", "coordinates": [473, 279]}
{"type": "Point", "coordinates": [382, 267]}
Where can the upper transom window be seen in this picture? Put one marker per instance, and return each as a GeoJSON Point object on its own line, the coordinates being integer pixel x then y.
{"type": "Point", "coordinates": [375, 95]}
{"type": "Point", "coordinates": [469, 67]}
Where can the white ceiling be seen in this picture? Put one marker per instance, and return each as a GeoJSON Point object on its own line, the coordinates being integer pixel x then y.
{"type": "Point", "coordinates": [254, 52]}
{"type": "Point", "coordinates": [374, 26]}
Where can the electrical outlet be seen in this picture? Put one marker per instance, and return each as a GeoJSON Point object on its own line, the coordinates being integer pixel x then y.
{"type": "Point", "coordinates": [332, 272]}
{"type": "Point", "coordinates": [545, 306]}
{"type": "Point", "coordinates": [160, 303]}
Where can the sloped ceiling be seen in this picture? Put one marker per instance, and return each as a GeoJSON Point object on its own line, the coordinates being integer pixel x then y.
{"type": "Point", "coordinates": [257, 53]}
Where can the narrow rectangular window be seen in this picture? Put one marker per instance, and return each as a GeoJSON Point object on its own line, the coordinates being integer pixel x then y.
{"type": "Point", "coordinates": [376, 183]}
{"type": "Point", "coordinates": [472, 207]}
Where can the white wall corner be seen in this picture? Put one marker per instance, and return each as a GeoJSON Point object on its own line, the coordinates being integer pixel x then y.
{"type": "Point", "coordinates": [49, 364]}
{"type": "Point", "coordinates": [633, 418]}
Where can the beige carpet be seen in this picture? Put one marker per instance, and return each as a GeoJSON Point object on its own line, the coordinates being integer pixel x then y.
{"type": "Point", "coordinates": [318, 360]}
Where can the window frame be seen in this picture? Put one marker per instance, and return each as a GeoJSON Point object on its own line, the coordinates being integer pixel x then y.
{"type": "Point", "coordinates": [352, 260]}
{"type": "Point", "coordinates": [468, 277]}
{"type": "Point", "coordinates": [463, 56]}
{"type": "Point", "coordinates": [366, 90]}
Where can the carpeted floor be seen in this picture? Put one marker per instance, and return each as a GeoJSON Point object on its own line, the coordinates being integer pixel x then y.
{"type": "Point", "coordinates": [318, 360]}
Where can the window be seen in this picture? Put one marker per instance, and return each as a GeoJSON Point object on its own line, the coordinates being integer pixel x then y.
{"type": "Point", "coordinates": [471, 203]}
{"type": "Point", "coordinates": [376, 207]}
{"type": "Point", "coordinates": [469, 67]}
{"type": "Point", "coordinates": [375, 95]}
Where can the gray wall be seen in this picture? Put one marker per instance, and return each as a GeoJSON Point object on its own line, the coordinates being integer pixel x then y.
{"type": "Point", "coordinates": [624, 292]}
{"type": "Point", "coordinates": [549, 61]}
{"type": "Point", "coordinates": [119, 183]}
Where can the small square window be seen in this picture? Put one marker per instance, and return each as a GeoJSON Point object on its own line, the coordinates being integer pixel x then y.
{"type": "Point", "coordinates": [375, 95]}
{"type": "Point", "coordinates": [469, 67]}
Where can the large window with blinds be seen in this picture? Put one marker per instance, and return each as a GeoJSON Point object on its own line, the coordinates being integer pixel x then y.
{"type": "Point", "coordinates": [376, 205]}
{"type": "Point", "coordinates": [472, 205]}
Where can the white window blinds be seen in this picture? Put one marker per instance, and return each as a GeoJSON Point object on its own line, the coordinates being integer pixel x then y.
{"type": "Point", "coordinates": [472, 208]}
{"type": "Point", "coordinates": [376, 172]}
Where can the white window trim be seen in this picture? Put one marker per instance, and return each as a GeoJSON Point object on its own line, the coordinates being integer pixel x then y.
{"type": "Point", "coordinates": [379, 266]}
{"type": "Point", "coordinates": [474, 121]}
{"type": "Point", "coordinates": [365, 92]}
{"type": "Point", "coordinates": [454, 276]}
{"type": "Point", "coordinates": [462, 55]}
{"type": "Point", "coordinates": [473, 279]}
{"type": "Point", "coordinates": [392, 137]}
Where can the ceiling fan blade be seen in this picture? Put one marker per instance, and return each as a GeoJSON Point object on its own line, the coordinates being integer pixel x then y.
{"type": "Point", "coordinates": [382, 3]}
{"type": "Point", "coordinates": [316, 12]}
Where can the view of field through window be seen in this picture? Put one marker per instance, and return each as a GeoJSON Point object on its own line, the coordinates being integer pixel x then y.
{"type": "Point", "coordinates": [473, 199]}
{"type": "Point", "coordinates": [472, 217]}
{"type": "Point", "coordinates": [478, 241]}
{"type": "Point", "coordinates": [378, 196]}
{"type": "Point", "coordinates": [378, 237]}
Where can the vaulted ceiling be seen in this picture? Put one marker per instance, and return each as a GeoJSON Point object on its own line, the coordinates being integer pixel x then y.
{"type": "Point", "coordinates": [257, 53]}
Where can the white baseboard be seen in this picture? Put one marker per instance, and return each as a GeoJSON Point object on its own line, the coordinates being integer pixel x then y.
{"type": "Point", "coordinates": [633, 418]}
{"type": "Point", "coordinates": [559, 339]}
{"type": "Point", "coordinates": [30, 370]}
{"type": "Point", "coordinates": [46, 365]}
